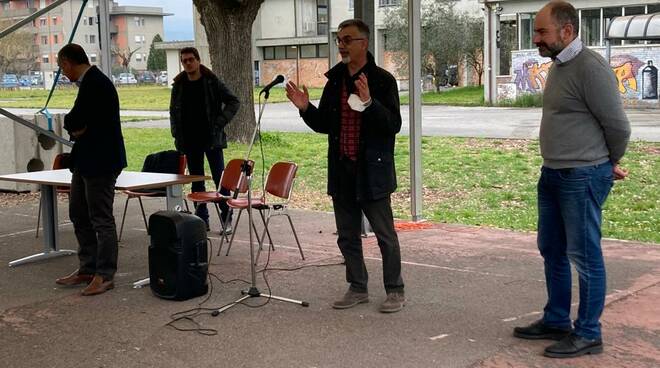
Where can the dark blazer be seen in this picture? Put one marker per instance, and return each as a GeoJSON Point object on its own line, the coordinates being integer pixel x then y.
{"type": "Point", "coordinates": [100, 150]}
{"type": "Point", "coordinates": [221, 106]}
{"type": "Point", "coordinates": [381, 121]}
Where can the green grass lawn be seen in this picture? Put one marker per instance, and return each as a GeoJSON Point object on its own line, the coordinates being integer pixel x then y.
{"type": "Point", "coordinates": [155, 98]}
{"type": "Point", "coordinates": [463, 96]}
{"type": "Point", "coordinates": [486, 182]}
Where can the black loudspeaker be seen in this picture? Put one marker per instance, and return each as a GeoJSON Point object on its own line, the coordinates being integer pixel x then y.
{"type": "Point", "coordinates": [178, 256]}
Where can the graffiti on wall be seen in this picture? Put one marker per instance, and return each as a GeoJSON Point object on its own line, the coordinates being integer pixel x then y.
{"type": "Point", "coordinates": [626, 68]}
{"type": "Point", "coordinates": [531, 76]}
{"type": "Point", "coordinates": [636, 73]}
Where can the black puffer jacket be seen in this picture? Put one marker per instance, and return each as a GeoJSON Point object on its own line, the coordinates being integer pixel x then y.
{"type": "Point", "coordinates": [221, 106]}
{"type": "Point", "coordinates": [381, 121]}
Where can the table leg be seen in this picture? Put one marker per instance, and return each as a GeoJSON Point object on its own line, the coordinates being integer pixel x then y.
{"type": "Point", "coordinates": [175, 197]}
{"type": "Point", "coordinates": [50, 231]}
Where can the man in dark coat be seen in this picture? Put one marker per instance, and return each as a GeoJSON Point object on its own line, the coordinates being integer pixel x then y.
{"type": "Point", "coordinates": [359, 111]}
{"type": "Point", "coordinates": [200, 108]}
{"type": "Point", "coordinates": [97, 158]}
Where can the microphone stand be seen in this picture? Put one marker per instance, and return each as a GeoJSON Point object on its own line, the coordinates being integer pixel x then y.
{"type": "Point", "coordinates": [246, 172]}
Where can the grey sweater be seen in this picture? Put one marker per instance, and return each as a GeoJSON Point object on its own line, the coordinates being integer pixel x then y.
{"type": "Point", "coordinates": [583, 120]}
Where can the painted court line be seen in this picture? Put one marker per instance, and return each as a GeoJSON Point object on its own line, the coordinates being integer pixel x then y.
{"type": "Point", "coordinates": [438, 337]}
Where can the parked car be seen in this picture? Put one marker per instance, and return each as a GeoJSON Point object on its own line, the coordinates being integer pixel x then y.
{"type": "Point", "coordinates": [63, 81]}
{"type": "Point", "coordinates": [24, 81]}
{"type": "Point", "coordinates": [36, 80]}
{"type": "Point", "coordinates": [162, 77]}
{"type": "Point", "coordinates": [147, 77]}
{"type": "Point", "coordinates": [127, 78]}
{"type": "Point", "coordinates": [9, 81]}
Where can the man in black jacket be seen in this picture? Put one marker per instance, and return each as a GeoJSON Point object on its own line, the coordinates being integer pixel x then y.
{"type": "Point", "coordinates": [200, 108]}
{"type": "Point", "coordinates": [359, 111]}
{"type": "Point", "coordinates": [97, 158]}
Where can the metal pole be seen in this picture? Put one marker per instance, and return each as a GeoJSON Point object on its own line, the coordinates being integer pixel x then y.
{"type": "Point", "coordinates": [31, 17]}
{"type": "Point", "coordinates": [104, 37]}
{"type": "Point", "coordinates": [332, 48]}
{"type": "Point", "coordinates": [415, 107]}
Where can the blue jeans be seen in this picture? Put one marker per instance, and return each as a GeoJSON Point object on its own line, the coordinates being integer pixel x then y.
{"type": "Point", "coordinates": [570, 215]}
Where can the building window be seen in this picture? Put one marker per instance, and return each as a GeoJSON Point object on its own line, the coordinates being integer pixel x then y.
{"type": "Point", "coordinates": [269, 53]}
{"type": "Point", "coordinates": [44, 40]}
{"type": "Point", "coordinates": [608, 14]}
{"type": "Point", "coordinates": [42, 22]}
{"type": "Point", "coordinates": [526, 30]}
{"type": "Point", "coordinates": [138, 57]}
{"type": "Point", "coordinates": [139, 21]}
{"type": "Point", "coordinates": [321, 17]}
{"type": "Point", "coordinates": [590, 29]}
{"type": "Point", "coordinates": [84, 21]}
{"type": "Point", "coordinates": [280, 52]}
{"type": "Point", "coordinates": [54, 22]}
{"type": "Point", "coordinates": [308, 51]}
{"type": "Point", "coordinates": [56, 39]}
{"type": "Point", "coordinates": [291, 52]}
{"type": "Point", "coordinates": [351, 4]}
{"type": "Point", "coordinates": [45, 59]}
{"type": "Point", "coordinates": [92, 58]}
{"type": "Point", "coordinates": [86, 38]}
{"type": "Point", "coordinates": [92, 38]}
{"type": "Point", "coordinates": [90, 21]}
{"type": "Point", "coordinates": [323, 50]}
{"type": "Point", "coordinates": [654, 8]}
{"type": "Point", "coordinates": [384, 3]}
{"type": "Point", "coordinates": [314, 51]}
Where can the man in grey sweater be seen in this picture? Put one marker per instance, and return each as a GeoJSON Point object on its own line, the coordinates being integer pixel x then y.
{"type": "Point", "coordinates": [584, 134]}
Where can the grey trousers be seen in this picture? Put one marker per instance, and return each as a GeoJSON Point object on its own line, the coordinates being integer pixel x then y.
{"type": "Point", "coordinates": [348, 217]}
{"type": "Point", "coordinates": [90, 210]}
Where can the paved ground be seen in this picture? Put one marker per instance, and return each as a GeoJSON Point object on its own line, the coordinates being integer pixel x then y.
{"type": "Point", "coordinates": [467, 288]}
{"type": "Point", "coordinates": [484, 122]}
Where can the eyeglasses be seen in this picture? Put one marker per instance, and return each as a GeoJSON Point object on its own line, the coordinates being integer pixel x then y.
{"type": "Point", "coordinates": [346, 40]}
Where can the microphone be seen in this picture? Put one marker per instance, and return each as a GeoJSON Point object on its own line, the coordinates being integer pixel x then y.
{"type": "Point", "coordinates": [279, 79]}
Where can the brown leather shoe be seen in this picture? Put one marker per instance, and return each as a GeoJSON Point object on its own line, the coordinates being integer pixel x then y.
{"type": "Point", "coordinates": [74, 279]}
{"type": "Point", "coordinates": [98, 286]}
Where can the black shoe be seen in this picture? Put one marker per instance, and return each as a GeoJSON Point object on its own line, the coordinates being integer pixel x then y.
{"type": "Point", "coordinates": [574, 346]}
{"type": "Point", "coordinates": [539, 331]}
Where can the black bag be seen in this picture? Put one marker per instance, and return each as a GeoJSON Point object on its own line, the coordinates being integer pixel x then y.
{"type": "Point", "coordinates": [178, 256]}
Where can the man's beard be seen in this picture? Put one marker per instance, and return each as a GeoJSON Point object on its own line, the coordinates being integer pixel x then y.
{"type": "Point", "coordinates": [346, 59]}
{"type": "Point", "coordinates": [550, 51]}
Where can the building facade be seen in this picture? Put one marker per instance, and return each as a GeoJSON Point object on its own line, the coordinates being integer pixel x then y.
{"type": "Point", "coordinates": [295, 38]}
{"type": "Point", "coordinates": [521, 70]}
{"type": "Point", "coordinates": [132, 28]}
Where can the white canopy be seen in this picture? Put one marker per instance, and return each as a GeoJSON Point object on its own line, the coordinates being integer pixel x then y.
{"type": "Point", "coordinates": [635, 27]}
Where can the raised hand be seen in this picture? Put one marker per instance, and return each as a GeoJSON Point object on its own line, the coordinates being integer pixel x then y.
{"type": "Point", "coordinates": [299, 98]}
{"type": "Point", "coordinates": [362, 86]}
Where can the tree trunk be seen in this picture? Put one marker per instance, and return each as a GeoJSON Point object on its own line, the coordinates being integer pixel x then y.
{"type": "Point", "coordinates": [228, 25]}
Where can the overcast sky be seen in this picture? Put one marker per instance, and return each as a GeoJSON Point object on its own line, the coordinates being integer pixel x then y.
{"type": "Point", "coordinates": [178, 26]}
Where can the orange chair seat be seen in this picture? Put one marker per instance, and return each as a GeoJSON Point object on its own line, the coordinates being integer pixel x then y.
{"type": "Point", "coordinates": [207, 197]}
{"type": "Point", "coordinates": [243, 203]}
{"type": "Point", "coordinates": [133, 194]}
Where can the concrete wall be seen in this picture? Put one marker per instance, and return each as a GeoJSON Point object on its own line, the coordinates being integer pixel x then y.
{"type": "Point", "coordinates": [629, 63]}
{"type": "Point", "coordinates": [21, 151]}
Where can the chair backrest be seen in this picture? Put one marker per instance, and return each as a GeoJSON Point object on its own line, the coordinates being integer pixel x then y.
{"type": "Point", "coordinates": [182, 165]}
{"type": "Point", "coordinates": [165, 162]}
{"type": "Point", "coordinates": [232, 178]}
{"type": "Point", "coordinates": [61, 161]}
{"type": "Point", "coordinates": [280, 179]}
